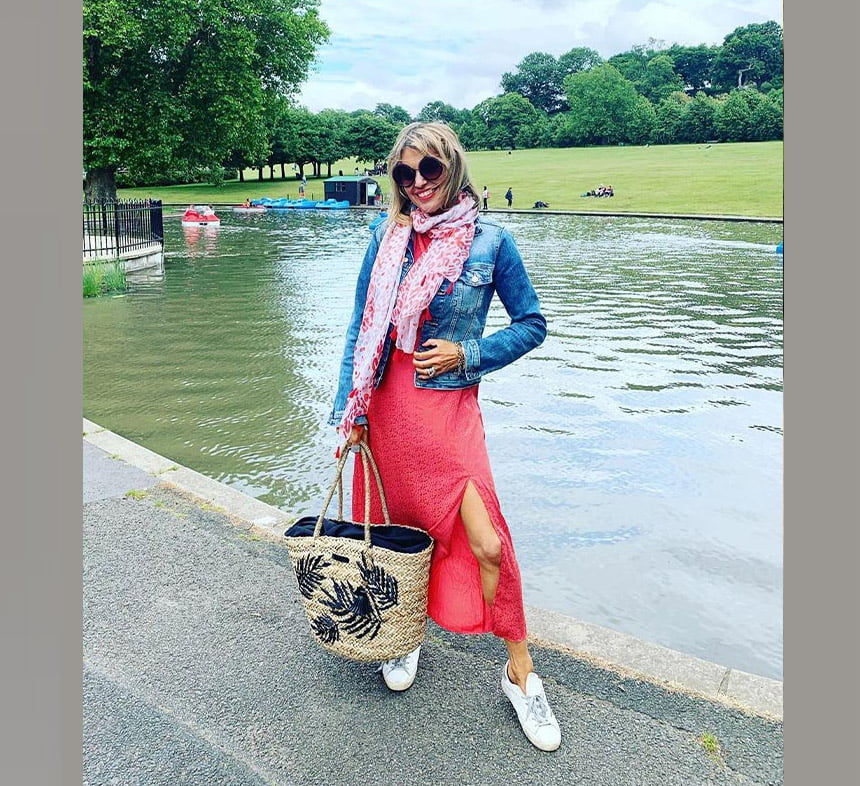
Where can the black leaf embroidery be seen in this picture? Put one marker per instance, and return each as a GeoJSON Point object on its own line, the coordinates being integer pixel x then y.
{"type": "Point", "coordinates": [309, 573]}
{"type": "Point", "coordinates": [381, 585]}
{"type": "Point", "coordinates": [354, 607]}
{"type": "Point", "coordinates": [325, 629]}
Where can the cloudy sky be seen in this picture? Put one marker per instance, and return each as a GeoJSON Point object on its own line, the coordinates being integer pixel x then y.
{"type": "Point", "coordinates": [408, 54]}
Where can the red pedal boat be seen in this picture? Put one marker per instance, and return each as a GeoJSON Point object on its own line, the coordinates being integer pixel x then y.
{"type": "Point", "coordinates": [200, 216]}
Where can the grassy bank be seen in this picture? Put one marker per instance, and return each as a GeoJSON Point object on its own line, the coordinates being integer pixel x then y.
{"type": "Point", "coordinates": [738, 179]}
{"type": "Point", "coordinates": [102, 276]}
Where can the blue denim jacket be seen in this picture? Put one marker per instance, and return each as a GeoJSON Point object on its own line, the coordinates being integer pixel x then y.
{"type": "Point", "coordinates": [459, 313]}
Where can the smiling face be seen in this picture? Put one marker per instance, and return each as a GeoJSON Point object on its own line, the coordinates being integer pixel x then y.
{"type": "Point", "coordinates": [426, 194]}
{"type": "Point", "coordinates": [414, 142]}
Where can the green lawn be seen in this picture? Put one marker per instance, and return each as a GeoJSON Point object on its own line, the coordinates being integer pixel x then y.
{"type": "Point", "coordinates": [738, 179]}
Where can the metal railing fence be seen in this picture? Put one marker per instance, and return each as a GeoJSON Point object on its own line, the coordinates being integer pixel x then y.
{"type": "Point", "coordinates": [112, 228]}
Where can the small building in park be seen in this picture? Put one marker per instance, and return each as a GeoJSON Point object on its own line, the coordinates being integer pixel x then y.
{"type": "Point", "coordinates": [356, 189]}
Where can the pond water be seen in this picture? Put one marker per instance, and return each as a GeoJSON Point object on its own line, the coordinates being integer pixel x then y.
{"type": "Point", "coordinates": [637, 453]}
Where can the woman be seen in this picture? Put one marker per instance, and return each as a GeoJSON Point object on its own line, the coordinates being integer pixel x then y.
{"type": "Point", "coordinates": [414, 356]}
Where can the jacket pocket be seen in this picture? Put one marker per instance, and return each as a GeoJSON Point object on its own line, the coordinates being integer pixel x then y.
{"type": "Point", "coordinates": [470, 288]}
{"type": "Point", "coordinates": [477, 275]}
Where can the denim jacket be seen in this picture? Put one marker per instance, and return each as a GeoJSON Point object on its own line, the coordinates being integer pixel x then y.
{"type": "Point", "coordinates": [459, 313]}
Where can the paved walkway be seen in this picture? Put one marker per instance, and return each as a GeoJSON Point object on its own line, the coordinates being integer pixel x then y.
{"type": "Point", "coordinates": [198, 669]}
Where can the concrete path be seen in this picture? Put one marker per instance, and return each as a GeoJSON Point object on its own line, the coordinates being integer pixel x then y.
{"type": "Point", "coordinates": [198, 669]}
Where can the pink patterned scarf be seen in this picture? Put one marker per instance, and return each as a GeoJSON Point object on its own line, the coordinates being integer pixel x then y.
{"type": "Point", "coordinates": [450, 235]}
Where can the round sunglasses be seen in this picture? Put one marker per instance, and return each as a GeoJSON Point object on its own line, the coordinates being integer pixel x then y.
{"type": "Point", "coordinates": [431, 168]}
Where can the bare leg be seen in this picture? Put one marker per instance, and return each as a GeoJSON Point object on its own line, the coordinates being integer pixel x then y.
{"type": "Point", "coordinates": [483, 540]}
{"type": "Point", "coordinates": [487, 548]}
{"type": "Point", "coordinates": [521, 662]}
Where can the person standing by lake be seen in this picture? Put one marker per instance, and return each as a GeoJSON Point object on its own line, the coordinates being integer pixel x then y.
{"type": "Point", "coordinates": [412, 363]}
{"type": "Point", "coordinates": [485, 195]}
{"type": "Point", "coordinates": [509, 195]}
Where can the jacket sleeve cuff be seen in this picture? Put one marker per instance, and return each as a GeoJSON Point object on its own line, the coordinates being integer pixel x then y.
{"type": "Point", "coordinates": [472, 351]}
{"type": "Point", "coordinates": [335, 418]}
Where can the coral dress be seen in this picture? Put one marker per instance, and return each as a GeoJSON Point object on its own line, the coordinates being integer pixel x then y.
{"type": "Point", "coordinates": [429, 444]}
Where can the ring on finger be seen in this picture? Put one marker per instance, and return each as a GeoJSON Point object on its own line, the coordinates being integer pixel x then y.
{"type": "Point", "coordinates": [431, 371]}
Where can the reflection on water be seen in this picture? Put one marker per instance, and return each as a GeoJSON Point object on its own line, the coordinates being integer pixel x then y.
{"type": "Point", "coordinates": [200, 240]}
{"type": "Point", "coordinates": [637, 452]}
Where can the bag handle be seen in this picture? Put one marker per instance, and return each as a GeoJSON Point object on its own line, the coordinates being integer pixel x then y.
{"type": "Point", "coordinates": [366, 458]}
{"type": "Point", "coordinates": [338, 484]}
{"type": "Point", "coordinates": [365, 447]}
{"type": "Point", "coordinates": [339, 481]}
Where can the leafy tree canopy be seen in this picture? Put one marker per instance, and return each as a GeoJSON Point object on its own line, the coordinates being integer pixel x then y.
{"type": "Point", "coordinates": [369, 137]}
{"type": "Point", "coordinates": [751, 54]}
{"type": "Point", "coordinates": [602, 104]}
{"type": "Point", "coordinates": [631, 64]}
{"type": "Point", "coordinates": [693, 64]}
{"type": "Point", "coordinates": [537, 79]}
{"type": "Point", "coordinates": [578, 59]}
{"type": "Point", "coordinates": [504, 119]}
{"type": "Point", "coordinates": [180, 85]}
{"type": "Point", "coordinates": [394, 114]}
{"type": "Point", "coordinates": [177, 90]}
{"type": "Point", "coordinates": [659, 79]}
{"type": "Point", "coordinates": [439, 110]}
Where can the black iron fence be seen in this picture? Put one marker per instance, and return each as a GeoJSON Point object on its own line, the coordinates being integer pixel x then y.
{"type": "Point", "coordinates": [114, 228]}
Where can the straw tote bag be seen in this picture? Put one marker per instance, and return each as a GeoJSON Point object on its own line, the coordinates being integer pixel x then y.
{"type": "Point", "coordinates": [364, 586]}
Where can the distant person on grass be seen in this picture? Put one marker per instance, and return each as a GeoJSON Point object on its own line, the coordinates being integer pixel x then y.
{"type": "Point", "coordinates": [509, 195]}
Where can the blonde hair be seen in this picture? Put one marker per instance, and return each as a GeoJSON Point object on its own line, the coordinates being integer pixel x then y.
{"type": "Point", "coordinates": [434, 139]}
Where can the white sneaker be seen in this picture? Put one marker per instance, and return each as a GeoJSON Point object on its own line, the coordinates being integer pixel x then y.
{"type": "Point", "coordinates": [533, 710]}
{"type": "Point", "coordinates": [399, 673]}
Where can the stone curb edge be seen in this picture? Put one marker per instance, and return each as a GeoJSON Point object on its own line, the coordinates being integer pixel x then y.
{"type": "Point", "coordinates": [602, 647]}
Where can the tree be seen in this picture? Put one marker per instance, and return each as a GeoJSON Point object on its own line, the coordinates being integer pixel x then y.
{"type": "Point", "coordinates": [539, 80]}
{"type": "Point", "coordinates": [534, 134]}
{"type": "Point", "coordinates": [632, 64]}
{"type": "Point", "coordinates": [755, 118]}
{"type": "Point", "coordinates": [601, 103]}
{"type": "Point", "coordinates": [641, 122]}
{"type": "Point", "coordinates": [774, 113]}
{"type": "Point", "coordinates": [280, 139]}
{"type": "Point", "coordinates": [670, 118]}
{"type": "Point", "coordinates": [697, 121]}
{"type": "Point", "coordinates": [239, 161]}
{"type": "Point", "coordinates": [510, 121]}
{"type": "Point", "coordinates": [473, 131]}
{"type": "Point", "coordinates": [693, 64]}
{"type": "Point", "coordinates": [580, 58]}
{"type": "Point", "coordinates": [558, 132]}
{"type": "Point", "coordinates": [293, 137]}
{"type": "Point", "coordinates": [440, 111]}
{"type": "Point", "coordinates": [393, 114]}
{"type": "Point", "coordinates": [749, 55]}
{"type": "Point", "coordinates": [767, 119]}
{"type": "Point", "coordinates": [659, 79]}
{"type": "Point", "coordinates": [333, 143]}
{"type": "Point", "coordinates": [178, 87]}
{"type": "Point", "coordinates": [733, 120]}
{"type": "Point", "coordinates": [368, 137]}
